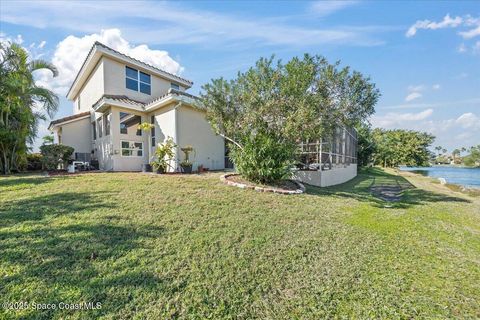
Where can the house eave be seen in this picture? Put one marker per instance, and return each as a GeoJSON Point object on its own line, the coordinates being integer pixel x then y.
{"type": "Point", "coordinates": [168, 100]}
{"type": "Point", "coordinates": [104, 104]}
{"type": "Point", "coordinates": [51, 126]}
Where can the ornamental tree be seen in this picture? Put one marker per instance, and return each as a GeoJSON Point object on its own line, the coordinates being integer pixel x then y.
{"type": "Point", "coordinates": [283, 104]}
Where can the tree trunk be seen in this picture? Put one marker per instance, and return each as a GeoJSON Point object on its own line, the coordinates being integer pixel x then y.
{"type": "Point", "coordinates": [6, 169]}
{"type": "Point", "coordinates": [12, 158]}
{"type": "Point", "coordinates": [231, 140]}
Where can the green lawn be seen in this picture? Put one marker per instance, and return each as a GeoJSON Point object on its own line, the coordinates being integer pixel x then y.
{"type": "Point", "coordinates": [157, 247]}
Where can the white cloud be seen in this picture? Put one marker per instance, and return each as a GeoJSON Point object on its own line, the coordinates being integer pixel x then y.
{"type": "Point", "coordinates": [447, 22]}
{"type": "Point", "coordinates": [175, 23]}
{"type": "Point", "coordinates": [412, 96]}
{"type": "Point", "coordinates": [72, 51]}
{"type": "Point", "coordinates": [414, 92]}
{"type": "Point", "coordinates": [4, 38]}
{"type": "Point", "coordinates": [468, 121]}
{"type": "Point", "coordinates": [420, 87]}
{"type": "Point", "coordinates": [394, 119]}
{"type": "Point", "coordinates": [471, 24]}
{"type": "Point", "coordinates": [476, 48]}
{"type": "Point", "coordinates": [18, 39]}
{"type": "Point", "coordinates": [450, 133]}
{"type": "Point", "coordinates": [42, 44]}
{"type": "Point", "coordinates": [323, 8]}
{"type": "Point", "coordinates": [470, 33]}
{"type": "Point", "coordinates": [461, 75]}
{"type": "Point", "coordinates": [473, 103]}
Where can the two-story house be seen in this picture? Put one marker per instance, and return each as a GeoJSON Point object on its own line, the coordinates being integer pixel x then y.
{"type": "Point", "coordinates": [112, 94]}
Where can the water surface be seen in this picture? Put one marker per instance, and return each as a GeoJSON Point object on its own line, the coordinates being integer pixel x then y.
{"type": "Point", "coordinates": [468, 177]}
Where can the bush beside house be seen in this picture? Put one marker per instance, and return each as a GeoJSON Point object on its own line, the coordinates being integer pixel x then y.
{"type": "Point", "coordinates": [34, 161]}
{"type": "Point", "coordinates": [55, 156]}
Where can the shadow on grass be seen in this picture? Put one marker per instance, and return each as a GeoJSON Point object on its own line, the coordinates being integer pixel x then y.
{"type": "Point", "coordinates": [84, 259]}
{"type": "Point", "coordinates": [359, 188]}
{"type": "Point", "coordinates": [37, 208]}
{"type": "Point", "coordinates": [6, 183]}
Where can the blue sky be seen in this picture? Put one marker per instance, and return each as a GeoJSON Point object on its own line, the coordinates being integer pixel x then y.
{"type": "Point", "coordinates": [423, 56]}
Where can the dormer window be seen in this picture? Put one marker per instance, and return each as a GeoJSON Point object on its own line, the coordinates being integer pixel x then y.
{"type": "Point", "coordinates": [137, 80]}
{"type": "Point", "coordinates": [174, 86]}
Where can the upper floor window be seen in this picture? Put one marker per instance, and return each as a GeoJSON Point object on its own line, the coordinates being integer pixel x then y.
{"type": "Point", "coordinates": [137, 80]}
{"type": "Point", "coordinates": [174, 86]}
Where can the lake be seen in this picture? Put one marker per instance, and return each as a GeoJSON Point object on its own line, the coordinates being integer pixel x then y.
{"type": "Point", "coordinates": [468, 177]}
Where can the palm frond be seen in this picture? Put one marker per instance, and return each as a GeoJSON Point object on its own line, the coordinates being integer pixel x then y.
{"type": "Point", "coordinates": [42, 64]}
{"type": "Point", "coordinates": [47, 98]}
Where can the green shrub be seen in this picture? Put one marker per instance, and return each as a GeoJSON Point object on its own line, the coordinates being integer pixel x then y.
{"type": "Point", "coordinates": [34, 161]}
{"type": "Point", "coordinates": [164, 153]}
{"type": "Point", "coordinates": [264, 158]}
{"type": "Point", "coordinates": [55, 155]}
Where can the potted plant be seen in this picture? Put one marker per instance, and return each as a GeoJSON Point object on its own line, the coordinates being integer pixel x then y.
{"type": "Point", "coordinates": [164, 153]}
{"type": "Point", "coordinates": [146, 127]}
{"type": "Point", "coordinates": [186, 164]}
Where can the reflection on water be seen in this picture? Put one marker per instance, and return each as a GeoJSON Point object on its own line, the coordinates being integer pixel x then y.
{"type": "Point", "coordinates": [469, 177]}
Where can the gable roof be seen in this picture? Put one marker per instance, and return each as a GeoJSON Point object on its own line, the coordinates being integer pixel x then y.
{"type": "Point", "coordinates": [98, 50]}
{"type": "Point", "coordinates": [77, 116]}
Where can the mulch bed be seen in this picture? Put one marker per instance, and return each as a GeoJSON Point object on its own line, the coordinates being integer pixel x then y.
{"type": "Point", "coordinates": [282, 187]}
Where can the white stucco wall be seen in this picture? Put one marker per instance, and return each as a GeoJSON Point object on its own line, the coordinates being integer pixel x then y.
{"type": "Point", "coordinates": [76, 134]}
{"type": "Point", "coordinates": [336, 175]}
{"type": "Point", "coordinates": [193, 129]}
{"type": "Point", "coordinates": [91, 91]}
{"type": "Point", "coordinates": [164, 127]}
{"type": "Point", "coordinates": [115, 82]}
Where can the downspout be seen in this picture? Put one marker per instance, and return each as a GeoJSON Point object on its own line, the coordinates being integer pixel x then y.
{"type": "Point", "coordinates": [175, 137]}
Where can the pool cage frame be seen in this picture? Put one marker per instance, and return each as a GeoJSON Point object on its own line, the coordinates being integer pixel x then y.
{"type": "Point", "coordinates": [340, 150]}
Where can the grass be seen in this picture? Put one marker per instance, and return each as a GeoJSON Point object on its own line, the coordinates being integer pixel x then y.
{"type": "Point", "coordinates": [155, 247]}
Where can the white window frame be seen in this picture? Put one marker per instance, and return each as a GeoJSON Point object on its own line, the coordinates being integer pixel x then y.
{"type": "Point", "coordinates": [138, 80]}
{"type": "Point", "coordinates": [131, 149]}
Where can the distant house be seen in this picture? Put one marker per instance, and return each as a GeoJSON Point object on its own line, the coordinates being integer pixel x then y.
{"type": "Point", "coordinates": [112, 94]}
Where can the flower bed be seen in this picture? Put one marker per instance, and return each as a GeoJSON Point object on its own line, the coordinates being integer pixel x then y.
{"type": "Point", "coordinates": [283, 187]}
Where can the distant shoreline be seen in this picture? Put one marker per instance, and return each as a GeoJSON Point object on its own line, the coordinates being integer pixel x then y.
{"type": "Point", "coordinates": [436, 180]}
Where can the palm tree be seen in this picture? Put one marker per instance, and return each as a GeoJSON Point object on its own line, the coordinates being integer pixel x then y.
{"type": "Point", "coordinates": [20, 98]}
{"type": "Point", "coordinates": [438, 148]}
{"type": "Point", "coordinates": [48, 139]}
{"type": "Point", "coordinates": [455, 153]}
